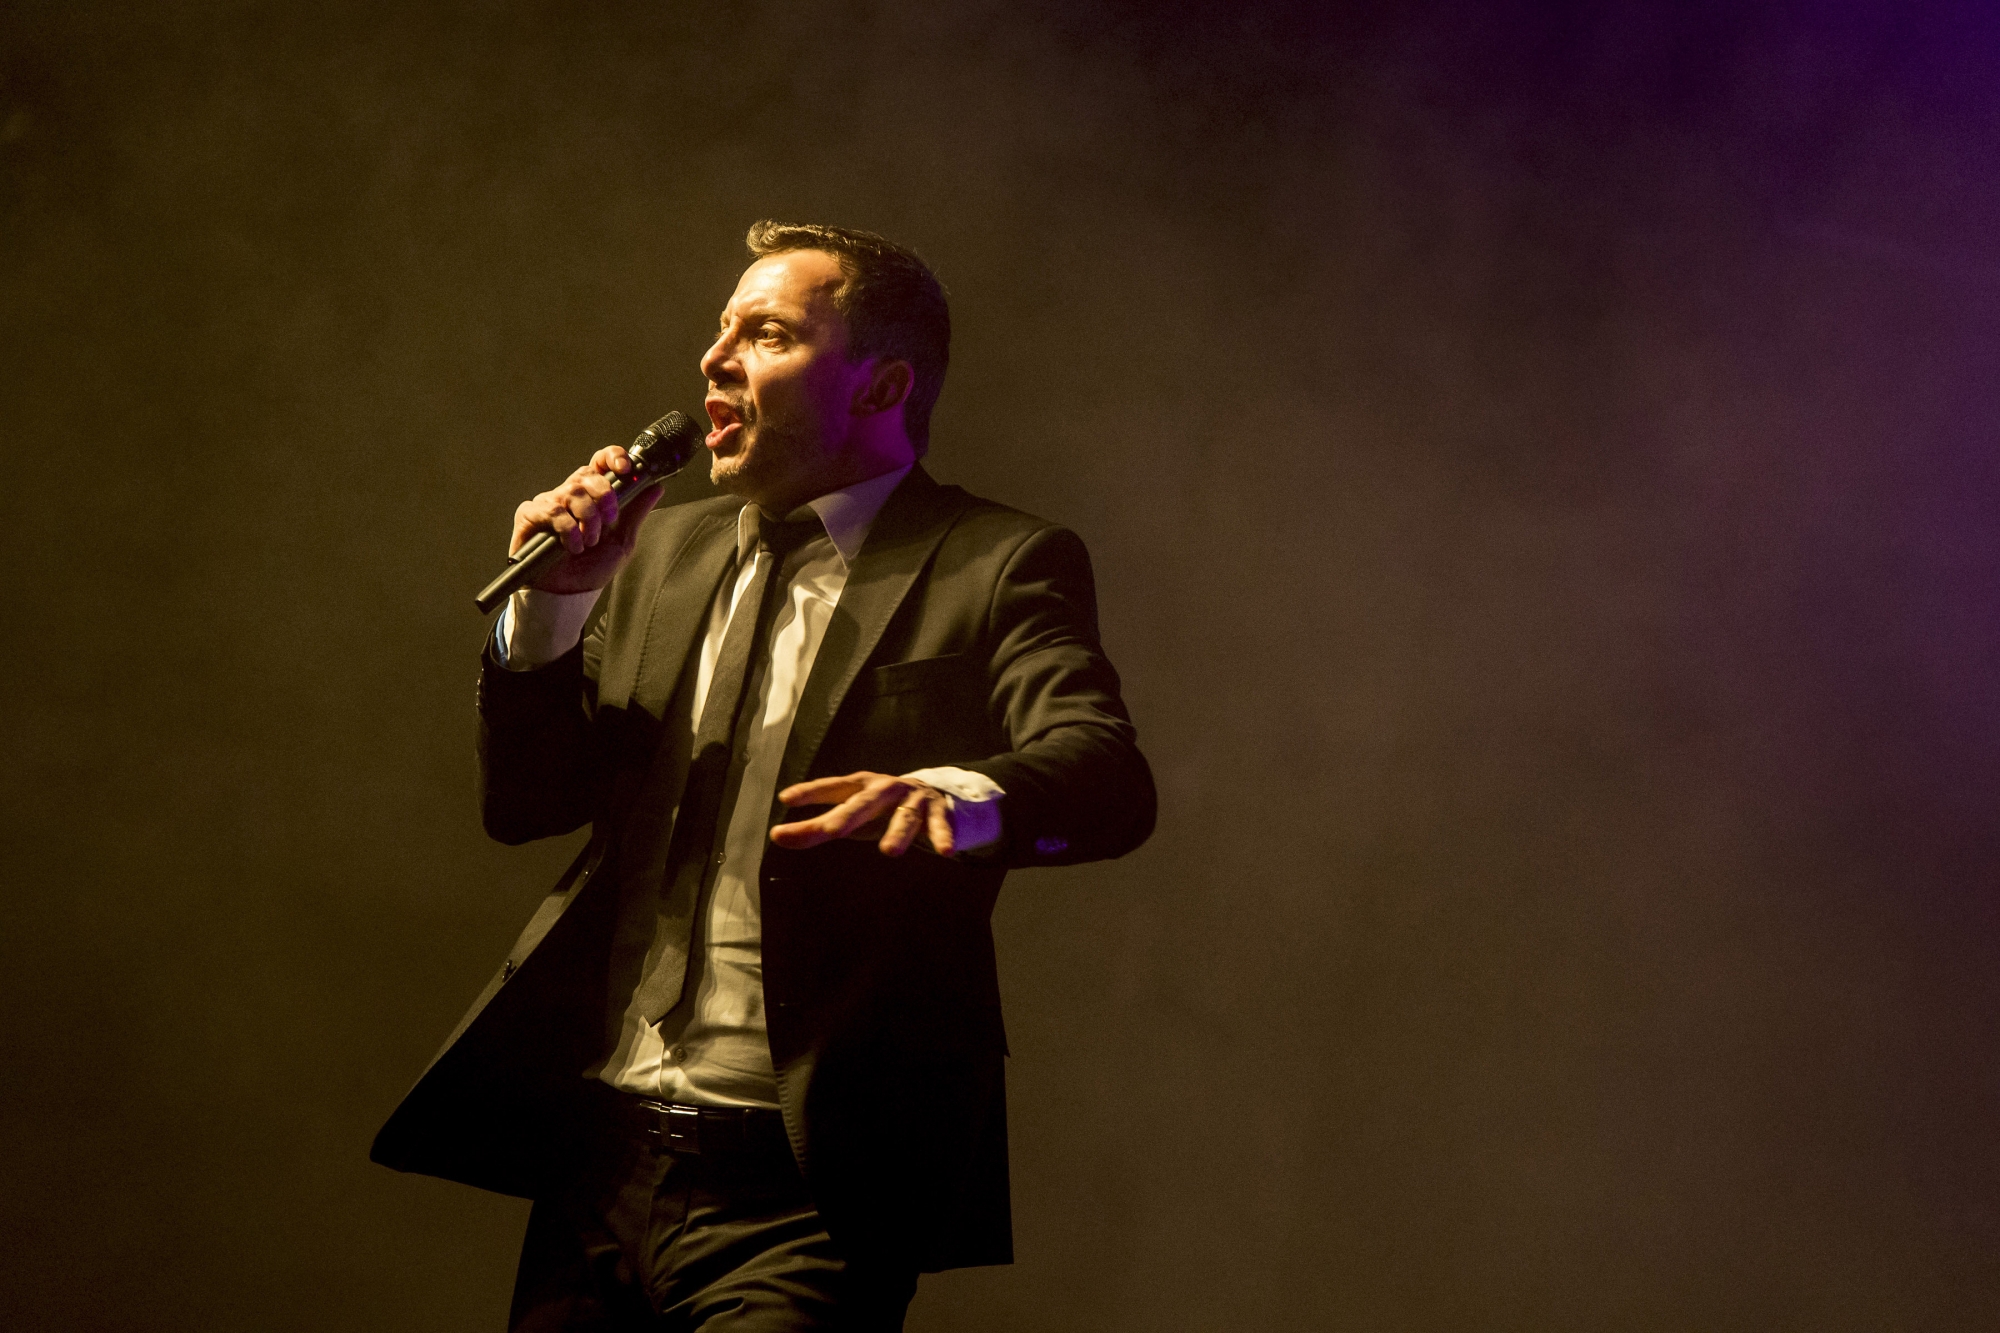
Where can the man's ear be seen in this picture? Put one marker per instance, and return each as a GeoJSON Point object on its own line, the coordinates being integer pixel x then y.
{"type": "Point", "coordinates": [888, 384]}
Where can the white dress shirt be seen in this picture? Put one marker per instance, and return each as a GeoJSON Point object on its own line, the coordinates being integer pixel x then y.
{"type": "Point", "coordinates": [712, 1047]}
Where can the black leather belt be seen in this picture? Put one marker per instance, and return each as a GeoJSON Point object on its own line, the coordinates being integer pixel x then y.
{"type": "Point", "coordinates": [705, 1131]}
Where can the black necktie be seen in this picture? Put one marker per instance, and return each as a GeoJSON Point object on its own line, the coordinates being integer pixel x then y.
{"type": "Point", "coordinates": [715, 768]}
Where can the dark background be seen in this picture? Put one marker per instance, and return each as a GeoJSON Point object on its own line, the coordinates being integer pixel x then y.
{"type": "Point", "coordinates": [1540, 465]}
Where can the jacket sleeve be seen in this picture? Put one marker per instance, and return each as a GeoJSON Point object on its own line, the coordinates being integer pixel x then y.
{"type": "Point", "coordinates": [537, 771]}
{"type": "Point", "coordinates": [1077, 787]}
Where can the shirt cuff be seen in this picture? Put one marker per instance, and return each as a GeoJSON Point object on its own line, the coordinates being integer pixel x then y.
{"type": "Point", "coordinates": [974, 803]}
{"type": "Point", "coordinates": [538, 627]}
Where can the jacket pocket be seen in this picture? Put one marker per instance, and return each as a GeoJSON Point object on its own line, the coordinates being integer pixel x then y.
{"type": "Point", "coordinates": [923, 673]}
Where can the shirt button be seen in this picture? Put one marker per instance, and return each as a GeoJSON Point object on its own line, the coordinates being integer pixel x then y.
{"type": "Point", "coordinates": [678, 1054]}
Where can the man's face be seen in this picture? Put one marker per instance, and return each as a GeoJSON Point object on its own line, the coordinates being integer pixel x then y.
{"type": "Point", "coordinates": [780, 386]}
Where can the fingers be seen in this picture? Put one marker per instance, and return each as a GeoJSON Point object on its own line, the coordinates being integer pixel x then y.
{"type": "Point", "coordinates": [864, 799]}
{"type": "Point", "coordinates": [621, 517]}
{"type": "Point", "coordinates": [937, 814]}
{"type": "Point", "coordinates": [612, 460]}
{"type": "Point", "coordinates": [580, 510]}
{"type": "Point", "coordinates": [824, 791]}
{"type": "Point", "coordinates": [876, 796]}
{"type": "Point", "coordinates": [922, 811]}
{"type": "Point", "coordinates": [903, 826]}
{"type": "Point", "coordinates": [575, 512]}
{"type": "Point", "coordinates": [591, 506]}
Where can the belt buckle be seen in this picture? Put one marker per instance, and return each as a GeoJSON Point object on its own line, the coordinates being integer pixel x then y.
{"type": "Point", "coordinates": [681, 1128]}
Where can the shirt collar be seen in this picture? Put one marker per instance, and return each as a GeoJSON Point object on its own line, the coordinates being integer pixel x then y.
{"type": "Point", "coordinates": [847, 513]}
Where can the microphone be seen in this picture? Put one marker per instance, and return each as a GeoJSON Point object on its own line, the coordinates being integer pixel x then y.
{"type": "Point", "coordinates": [661, 450]}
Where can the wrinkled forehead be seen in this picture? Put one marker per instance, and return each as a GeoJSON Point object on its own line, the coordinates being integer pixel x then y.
{"type": "Point", "coordinates": [799, 284]}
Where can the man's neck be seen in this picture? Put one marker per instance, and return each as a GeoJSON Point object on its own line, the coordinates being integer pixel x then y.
{"type": "Point", "coordinates": [860, 468]}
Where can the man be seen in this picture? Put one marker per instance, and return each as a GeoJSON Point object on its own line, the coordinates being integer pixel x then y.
{"type": "Point", "coordinates": [747, 1058]}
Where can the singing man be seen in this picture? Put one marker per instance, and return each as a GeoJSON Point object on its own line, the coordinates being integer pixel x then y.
{"type": "Point", "coordinates": [747, 1058]}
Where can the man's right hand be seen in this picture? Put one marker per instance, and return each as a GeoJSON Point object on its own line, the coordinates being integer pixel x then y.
{"type": "Point", "coordinates": [586, 518]}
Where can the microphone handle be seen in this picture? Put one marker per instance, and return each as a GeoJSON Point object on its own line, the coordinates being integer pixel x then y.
{"type": "Point", "coordinates": [542, 552]}
{"type": "Point", "coordinates": [525, 565]}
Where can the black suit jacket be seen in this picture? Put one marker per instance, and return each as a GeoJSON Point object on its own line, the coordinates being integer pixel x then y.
{"type": "Point", "coordinates": [966, 635]}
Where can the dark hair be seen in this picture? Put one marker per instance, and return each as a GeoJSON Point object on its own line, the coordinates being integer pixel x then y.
{"type": "Point", "coordinates": [893, 304]}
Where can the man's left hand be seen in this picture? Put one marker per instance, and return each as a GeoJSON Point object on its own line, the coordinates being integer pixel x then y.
{"type": "Point", "coordinates": [866, 805]}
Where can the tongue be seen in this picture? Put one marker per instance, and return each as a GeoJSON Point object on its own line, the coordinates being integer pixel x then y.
{"type": "Point", "coordinates": [722, 433]}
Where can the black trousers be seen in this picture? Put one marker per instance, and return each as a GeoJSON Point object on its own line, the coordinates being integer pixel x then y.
{"type": "Point", "coordinates": [643, 1238]}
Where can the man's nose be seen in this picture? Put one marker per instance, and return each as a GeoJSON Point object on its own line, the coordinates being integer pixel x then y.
{"type": "Point", "coordinates": [718, 363]}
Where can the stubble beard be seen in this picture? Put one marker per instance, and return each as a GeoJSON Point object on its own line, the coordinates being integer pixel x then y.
{"type": "Point", "coordinates": [758, 464]}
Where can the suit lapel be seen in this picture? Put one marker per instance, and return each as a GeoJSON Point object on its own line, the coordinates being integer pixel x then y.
{"type": "Point", "coordinates": [645, 677]}
{"type": "Point", "coordinates": [899, 546]}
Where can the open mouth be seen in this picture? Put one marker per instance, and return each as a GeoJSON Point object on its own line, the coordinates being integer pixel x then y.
{"type": "Point", "coordinates": [727, 419]}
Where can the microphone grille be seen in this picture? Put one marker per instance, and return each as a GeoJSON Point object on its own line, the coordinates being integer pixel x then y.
{"type": "Point", "coordinates": [664, 447]}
